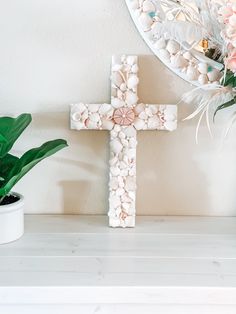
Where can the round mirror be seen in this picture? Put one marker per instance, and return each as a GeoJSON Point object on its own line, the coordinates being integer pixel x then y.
{"type": "Point", "coordinates": [184, 34]}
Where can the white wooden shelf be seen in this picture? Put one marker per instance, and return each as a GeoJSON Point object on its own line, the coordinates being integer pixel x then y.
{"type": "Point", "coordinates": [166, 265]}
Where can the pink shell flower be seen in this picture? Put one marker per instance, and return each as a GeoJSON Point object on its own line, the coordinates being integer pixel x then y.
{"type": "Point", "coordinates": [124, 116]}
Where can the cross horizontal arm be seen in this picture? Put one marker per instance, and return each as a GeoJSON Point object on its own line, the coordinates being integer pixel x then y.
{"type": "Point", "coordinates": [92, 116]}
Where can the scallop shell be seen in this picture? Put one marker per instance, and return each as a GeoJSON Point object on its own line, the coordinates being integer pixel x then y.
{"type": "Point", "coordinates": [145, 21]}
{"type": "Point", "coordinates": [132, 81]}
{"type": "Point", "coordinates": [95, 117]}
{"type": "Point", "coordinates": [117, 103]}
{"type": "Point", "coordinates": [107, 124]}
{"type": "Point", "coordinates": [91, 124]}
{"type": "Point", "coordinates": [113, 184]}
{"type": "Point", "coordinates": [192, 73]}
{"type": "Point", "coordinates": [116, 146]}
{"type": "Point", "coordinates": [153, 123]}
{"type": "Point", "coordinates": [160, 43]}
{"type": "Point", "coordinates": [130, 184]}
{"type": "Point", "coordinates": [79, 108]}
{"type": "Point", "coordinates": [139, 124]}
{"type": "Point", "coordinates": [131, 98]}
{"type": "Point", "coordinates": [130, 131]}
{"type": "Point", "coordinates": [131, 60]}
{"type": "Point", "coordinates": [104, 108]}
{"type": "Point", "coordinates": [139, 108]}
{"type": "Point", "coordinates": [172, 46]}
{"type": "Point", "coordinates": [115, 171]}
{"type": "Point", "coordinates": [116, 78]}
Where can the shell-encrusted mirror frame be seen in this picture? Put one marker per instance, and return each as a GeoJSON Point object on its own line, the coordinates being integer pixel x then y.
{"type": "Point", "coordinates": [190, 64]}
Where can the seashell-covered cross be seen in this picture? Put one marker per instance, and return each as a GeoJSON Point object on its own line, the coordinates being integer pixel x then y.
{"type": "Point", "coordinates": [123, 118]}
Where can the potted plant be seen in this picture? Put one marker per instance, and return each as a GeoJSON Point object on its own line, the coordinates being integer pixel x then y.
{"type": "Point", "coordinates": [12, 169]}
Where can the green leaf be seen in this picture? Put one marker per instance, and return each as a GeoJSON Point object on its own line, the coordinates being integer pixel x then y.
{"type": "Point", "coordinates": [225, 105]}
{"type": "Point", "coordinates": [6, 164]}
{"type": "Point", "coordinates": [22, 165]}
{"type": "Point", "coordinates": [10, 130]}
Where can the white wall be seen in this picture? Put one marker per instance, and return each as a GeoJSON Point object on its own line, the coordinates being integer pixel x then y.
{"type": "Point", "coordinates": [58, 52]}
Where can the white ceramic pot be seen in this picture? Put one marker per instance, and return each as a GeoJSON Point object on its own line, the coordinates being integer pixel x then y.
{"type": "Point", "coordinates": [12, 220]}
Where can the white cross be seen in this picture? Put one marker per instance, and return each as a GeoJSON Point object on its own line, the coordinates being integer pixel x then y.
{"type": "Point", "coordinates": [123, 118]}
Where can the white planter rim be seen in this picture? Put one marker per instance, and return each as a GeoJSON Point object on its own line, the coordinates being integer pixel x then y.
{"type": "Point", "coordinates": [13, 206]}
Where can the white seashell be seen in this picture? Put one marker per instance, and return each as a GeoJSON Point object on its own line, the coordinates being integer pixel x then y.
{"type": "Point", "coordinates": [134, 68]}
{"type": "Point", "coordinates": [123, 87]}
{"type": "Point", "coordinates": [120, 191]}
{"type": "Point", "coordinates": [116, 146]}
{"type": "Point", "coordinates": [121, 135]}
{"type": "Point", "coordinates": [148, 111]}
{"type": "Point", "coordinates": [130, 131]}
{"type": "Point", "coordinates": [132, 81]}
{"type": "Point", "coordinates": [114, 201]}
{"type": "Point", "coordinates": [131, 98]}
{"type": "Point", "coordinates": [95, 117]}
{"type": "Point", "coordinates": [203, 68]}
{"type": "Point", "coordinates": [113, 161]}
{"type": "Point", "coordinates": [192, 73]}
{"type": "Point", "coordinates": [132, 143]}
{"type": "Point", "coordinates": [125, 198]}
{"type": "Point", "coordinates": [139, 108]}
{"type": "Point", "coordinates": [153, 108]}
{"type": "Point", "coordinates": [164, 54]}
{"type": "Point", "coordinates": [113, 184]}
{"type": "Point", "coordinates": [187, 55]}
{"type": "Point", "coordinates": [153, 123]}
{"type": "Point", "coordinates": [143, 115]}
{"type": "Point", "coordinates": [131, 195]}
{"type": "Point", "coordinates": [119, 94]}
{"type": "Point", "coordinates": [145, 21]}
{"type": "Point", "coordinates": [203, 79]}
{"type": "Point", "coordinates": [170, 125]}
{"type": "Point", "coordinates": [214, 75]}
{"type": "Point", "coordinates": [178, 61]}
{"type": "Point", "coordinates": [125, 142]}
{"type": "Point", "coordinates": [117, 103]}
{"type": "Point", "coordinates": [117, 128]}
{"type": "Point", "coordinates": [123, 165]}
{"type": "Point", "coordinates": [126, 206]}
{"type": "Point", "coordinates": [79, 108]}
{"type": "Point", "coordinates": [130, 184]}
{"type": "Point", "coordinates": [117, 67]}
{"type": "Point", "coordinates": [131, 60]}
{"type": "Point", "coordinates": [115, 171]}
{"type": "Point", "coordinates": [107, 124]}
{"type": "Point", "coordinates": [104, 108]}
{"type": "Point", "coordinates": [116, 78]}
{"type": "Point", "coordinates": [132, 172]}
{"type": "Point", "coordinates": [139, 124]}
{"type": "Point", "coordinates": [91, 124]}
{"type": "Point", "coordinates": [124, 172]}
{"type": "Point", "coordinates": [131, 153]}
{"type": "Point", "coordinates": [148, 6]}
{"type": "Point", "coordinates": [113, 134]}
{"type": "Point", "coordinates": [172, 46]}
{"type": "Point", "coordinates": [160, 43]}
{"type": "Point", "coordinates": [114, 222]}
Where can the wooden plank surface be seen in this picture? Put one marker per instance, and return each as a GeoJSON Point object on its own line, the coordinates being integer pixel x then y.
{"type": "Point", "coordinates": [163, 261]}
